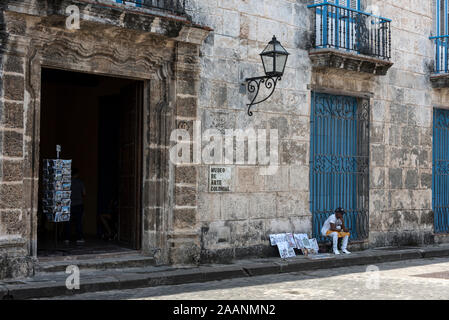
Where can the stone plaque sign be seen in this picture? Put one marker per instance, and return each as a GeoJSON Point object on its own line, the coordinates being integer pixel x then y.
{"type": "Point", "coordinates": [220, 179]}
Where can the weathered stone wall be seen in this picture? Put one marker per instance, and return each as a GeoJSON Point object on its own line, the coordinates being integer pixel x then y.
{"type": "Point", "coordinates": [237, 223]}
{"type": "Point", "coordinates": [401, 133]}
{"type": "Point", "coordinates": [15, 217]}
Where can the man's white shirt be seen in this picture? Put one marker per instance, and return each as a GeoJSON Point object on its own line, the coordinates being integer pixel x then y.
{"type": "Point", "coordinates": [327, 224]}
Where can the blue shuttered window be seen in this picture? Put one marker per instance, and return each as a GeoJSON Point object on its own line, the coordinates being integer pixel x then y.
{"type": "Point", "coordinates": [352, 4]}
{"type": "Point", "coordinates": [442, 36]}
{"type": "Point", "coordinates": [338, 20]}
{"type": "Point", "coordinates": [137, 3]}
{"type": "Point", "coordinates": [176, 7]}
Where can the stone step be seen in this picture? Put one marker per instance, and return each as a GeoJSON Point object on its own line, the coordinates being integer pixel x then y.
{"type": "Point", "coordinates": [88, 256]}
{"type": "Point", "coordinates": [95, 262]}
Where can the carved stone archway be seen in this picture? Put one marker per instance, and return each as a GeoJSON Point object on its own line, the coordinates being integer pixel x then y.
{"type": "Point", "coordinates": [169, 67]}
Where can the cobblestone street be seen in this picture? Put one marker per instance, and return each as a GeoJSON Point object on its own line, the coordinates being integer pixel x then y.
{"type": "Point", "coordinates": [411, 279]}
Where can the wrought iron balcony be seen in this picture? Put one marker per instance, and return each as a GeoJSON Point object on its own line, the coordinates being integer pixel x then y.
{"type": "Point", "coordinates": [355, 33]}
{"type": "Point", "coordinates": [440, 75]}
{"type": "Point", "coordinates": [441, 54]}
{"type": "Point", "coordinates": [176, 7]}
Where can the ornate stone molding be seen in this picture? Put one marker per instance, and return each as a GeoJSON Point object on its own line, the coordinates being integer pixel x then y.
{"type": "Point", "coordinates": [332, 58]}
{"type": "Point", "coordinates": [438, 81]}
{"type": "Point", "coordinates": [110, 14]}
{"type": "Point", "coordinates": [193, 35]}
{"type": "Point", "coordinates": [63, 53]}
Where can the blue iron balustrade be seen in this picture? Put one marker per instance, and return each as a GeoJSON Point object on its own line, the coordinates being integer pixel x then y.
{"type": "Point", "coordinates": [172, 6]}
{"type": "Point", "coordinates": [441, 37]}
{"type": "Point", "coordinates": [441, 53]}
{"type": "Point", "coordinates": [352, 30]}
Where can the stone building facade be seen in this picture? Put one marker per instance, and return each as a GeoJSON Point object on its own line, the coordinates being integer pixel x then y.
{"type": "Point", "coordinates": [193, 68]}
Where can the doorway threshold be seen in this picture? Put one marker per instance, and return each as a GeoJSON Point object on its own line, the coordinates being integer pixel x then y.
{"type": "Point", "coordinates": [91, 247]}
{"type": "Point", "coordinates": [87, 256]}
{"type": "Point", "coordinates": [104, 261]}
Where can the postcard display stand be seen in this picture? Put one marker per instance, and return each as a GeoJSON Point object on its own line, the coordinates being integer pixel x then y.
{"type": "Point", "coordinates": [57, 177]}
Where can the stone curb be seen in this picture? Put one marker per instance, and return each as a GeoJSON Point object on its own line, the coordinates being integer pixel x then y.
{"type": "Point", "coordinates": [209, 273]}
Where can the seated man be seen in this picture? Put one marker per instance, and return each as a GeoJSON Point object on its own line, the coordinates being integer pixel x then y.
{"type": "Point", "coordinates": [334, 227]}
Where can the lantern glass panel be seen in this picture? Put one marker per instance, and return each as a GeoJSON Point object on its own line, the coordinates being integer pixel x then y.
{"type": "Point", "coordinates": [281, 60]}
{"type": "Point", "coordinates": [269, 48]}
{"type": "Point", "coordinates": [279, 48]}
{"type": "Point", "coordinates": [268, 63]}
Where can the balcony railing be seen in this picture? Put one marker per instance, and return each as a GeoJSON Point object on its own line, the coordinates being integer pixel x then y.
{"type": "Point", "coordinates": [352, 30]}
{"type": "Point", "coordinates": [441, 53]}
{"type": "Point", "coordinates": [176, 7]}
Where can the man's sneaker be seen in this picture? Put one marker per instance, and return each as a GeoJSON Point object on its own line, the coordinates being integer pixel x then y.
{"type": "Point", "coordinates": [336, 251]}
{"type": "Point", "coordinates": [346, 251]}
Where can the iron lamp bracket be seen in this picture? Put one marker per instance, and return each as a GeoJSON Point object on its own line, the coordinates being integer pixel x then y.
{"type": "Point", "coordinates": [254, 85]}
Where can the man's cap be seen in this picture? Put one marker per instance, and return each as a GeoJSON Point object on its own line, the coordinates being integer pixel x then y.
{"type": "Point", "coordinates": [340, 210]}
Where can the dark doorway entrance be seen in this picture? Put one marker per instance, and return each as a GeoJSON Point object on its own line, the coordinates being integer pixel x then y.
{"type": "Point", "coordinates": [97, 121]}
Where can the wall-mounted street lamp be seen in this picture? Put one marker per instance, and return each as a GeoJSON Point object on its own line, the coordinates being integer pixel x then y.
{"type": "Point", "coordinates": [274, 58]}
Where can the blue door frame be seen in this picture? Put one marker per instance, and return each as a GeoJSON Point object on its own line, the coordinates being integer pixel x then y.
{"type": "Point", "coordinates": [339, 162]}
{"type": "Point", "coordinates": [440, 170]}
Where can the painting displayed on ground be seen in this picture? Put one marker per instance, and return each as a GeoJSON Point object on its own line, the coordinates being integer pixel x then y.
{"type": "Point", "coordinates": [287, 242]}
{"type": "Point", "coordinates": [314, 246]}
{"type": "Point", "coordinates": [285, 251]}
{"type": "Point", "coordinates": [302, 240]}
{"type": "Point", "coordinates": [57, 178]}
{"type": "Point", "coordinates": [306, 245]}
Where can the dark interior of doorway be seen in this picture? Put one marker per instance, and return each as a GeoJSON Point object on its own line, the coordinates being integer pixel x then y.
{"type": "Point", "coordinates": [96, 121]}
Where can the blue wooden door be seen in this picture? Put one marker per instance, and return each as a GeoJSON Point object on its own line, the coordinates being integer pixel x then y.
{"type": "Point", "coordinates": [440, 176]}
{"type": "Point", "coordinates": [339, 162]}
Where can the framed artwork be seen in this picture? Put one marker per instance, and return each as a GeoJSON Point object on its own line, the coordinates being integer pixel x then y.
{"type": "Point", "coordinates": [285, 251]}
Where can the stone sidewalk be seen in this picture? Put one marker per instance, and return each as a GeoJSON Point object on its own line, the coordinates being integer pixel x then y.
{"type": "Point", "coordinates": [52, 284]}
